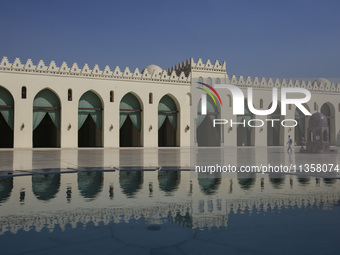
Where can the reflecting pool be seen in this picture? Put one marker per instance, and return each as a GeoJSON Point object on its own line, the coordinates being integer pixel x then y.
{"type": "Point", "coordinates": [151, 211]}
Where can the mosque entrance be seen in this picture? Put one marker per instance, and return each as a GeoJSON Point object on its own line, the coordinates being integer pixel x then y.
{"type": "Point", "coordinates": [46, 120]}
{"type": "Point", "coordinates": [90, 120]}
{"type": "Point", "coordinates": [167, 122]}
{"type": "Point", "coordinates": [130, 121]}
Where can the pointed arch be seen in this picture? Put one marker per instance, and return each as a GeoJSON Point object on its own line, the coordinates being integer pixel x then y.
{"type": "Point", "coordinates": [130, 121]}
{"type": "Point", "coordinates": [46, 119]}
{"type": "Point", "coordinates": [90, 115]}
{"type": "Point", "coordinates": [167, 121]}
{"type": "Point", "coordinates": [6, 118]}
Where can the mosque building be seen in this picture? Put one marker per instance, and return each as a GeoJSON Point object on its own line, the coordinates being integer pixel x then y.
{"type": "Point", "coordinates": [68, 106]}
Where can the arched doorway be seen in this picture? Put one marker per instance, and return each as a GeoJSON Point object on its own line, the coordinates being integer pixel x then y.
{"type": "Point", "coordinates": [6, 118]}
{"type": "Point", "coordinates": [130, 121]}
{"type": "Point", "coordinates": [46, 119]}
{"type": "Point", "coordinates": [300, 128]}
{"type": "Point", "coordinates": [206, 133]}
{"type": "Point", "coordinates": [274, 128]}
{"type": "Point", "coordinates": [328, 110]}
{"type": "Point", "coordinates": [245, 136]}
{"type": "Point", "coordinates": [89, 120]}
{"type": "Point", "coordinates": [167, 122]}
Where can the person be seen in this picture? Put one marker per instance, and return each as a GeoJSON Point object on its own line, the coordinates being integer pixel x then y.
{"type": "Point", "coordinates": [290, 142]}
{"type": "Point", "coordinates": [303, 143]}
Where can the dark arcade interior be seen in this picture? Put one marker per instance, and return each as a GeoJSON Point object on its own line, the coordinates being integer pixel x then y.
{"type": "Point", "coordinates": [129, 135]}
{"type": "Point", "coordinates": [46, 135]}
{"type": "Point", "coordinates": [166, 135]}
{"type": "Point", "coordinates": [87, 134]}
{"type": "Point", "coordinates": [6, 138]}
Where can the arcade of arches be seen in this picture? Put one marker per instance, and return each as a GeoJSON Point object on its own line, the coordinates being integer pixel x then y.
{"type": "Point", "coordinates": [47, 111]}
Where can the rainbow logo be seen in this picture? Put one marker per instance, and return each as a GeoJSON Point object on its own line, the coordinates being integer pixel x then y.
{"type": "Point", "coordinates": [209, 93]}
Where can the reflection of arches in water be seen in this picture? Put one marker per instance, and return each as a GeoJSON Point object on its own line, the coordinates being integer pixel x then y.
{"type": "Point", "coordinates": [168, 181]}
{"type": "Point", "coordinates": [6, 186]}
{"type": "Point", "coordinates": [184, 221]}
{"type": "Point", "coordinates": [90, 184]}
{"type": "Point", "coordinates": [329, 181]}
{"type": "Point", "coordinates": [246, 180]}
{"type": "Point", "coordinates": [276, 181]}
{"type": "Point", "coordinates": [303, 181]}
{"type": "Point", "coordinates": [130, 182]}
{"type": "Point", "coordinates": [209, 186]}
{"type": "Point", "coordinates": [246, 183]}
{"type": "Point", "coordinates": [45, 187]}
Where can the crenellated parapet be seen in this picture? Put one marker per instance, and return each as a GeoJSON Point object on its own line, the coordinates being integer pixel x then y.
{"type": "Point", "coordinates": [178, 74]}
{"type": "Point", "coordinates": [190, 65]}
{"type": "Point", "coordinates": [319, 85]}
{"type": "Point", "coordinates": [107, 73]}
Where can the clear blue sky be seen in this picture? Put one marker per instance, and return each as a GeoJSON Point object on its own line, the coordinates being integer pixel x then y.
{"type": "Point", "coordinates": [257, 38]}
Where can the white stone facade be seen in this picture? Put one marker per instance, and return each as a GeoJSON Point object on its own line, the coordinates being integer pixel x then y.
{"type": "Point", "coordinates": [112, 85]}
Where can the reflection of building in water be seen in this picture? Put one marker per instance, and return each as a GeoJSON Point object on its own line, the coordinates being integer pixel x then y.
{"type": "Point", "coordinates": [130, 182]}
{"type": "Point", "coordinates": [67, 106]}
{"type": "Point", "coordinates": [45, 187]}
{"type": "Point", "coordinates": [6, 186]}
{"type": "Point", "coordinates": [168, 181]}
{"type": "Point", "coordinates": [178, 198]}
{"type": "Point", "coordinates": [90, 184]}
